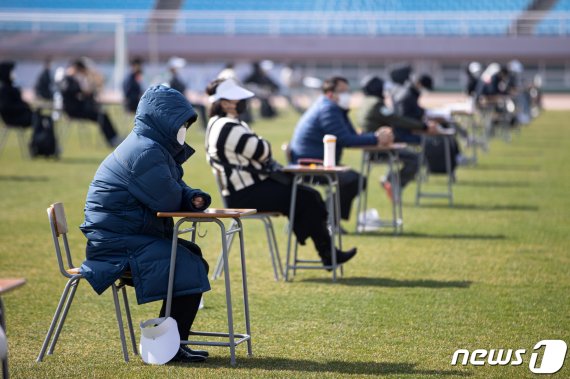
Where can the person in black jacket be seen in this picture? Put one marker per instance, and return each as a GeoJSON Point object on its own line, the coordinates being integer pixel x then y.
{"type": "Point", "coordinates": [376, 114]}
{"type": "Point", "coordinates": [407, 105]}
{"type": "Point", "coordinates": [13, 109]}
{"type": "Point", "coordinates": [264, 87]}
{"type": "Point", "coordinates": [132, 85]}
{"type": "Point", "coordinates": [79, 101]}
{"type": "Point", "coordinates": [174, 64]}
{"type": "Point", "coordinates": [44, 84]}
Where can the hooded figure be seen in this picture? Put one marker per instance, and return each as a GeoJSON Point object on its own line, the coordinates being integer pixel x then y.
{"type": "Point", "coordinates": [141, 177]}
{"type": "Point", "coordinates": [13, 109]}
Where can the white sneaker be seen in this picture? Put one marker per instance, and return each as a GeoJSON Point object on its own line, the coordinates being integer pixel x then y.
{"type": "Point", "coordinates": [201, 302]}
{"type": "Point", "coordinates": [369, 218]}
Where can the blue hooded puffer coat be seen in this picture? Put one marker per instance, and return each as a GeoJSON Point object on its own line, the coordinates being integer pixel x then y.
{"type": "Point", "coordinates": [142, 176]}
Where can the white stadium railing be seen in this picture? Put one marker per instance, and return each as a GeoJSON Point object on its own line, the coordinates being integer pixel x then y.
{"type": "Point", "coordinates": [298, 23]}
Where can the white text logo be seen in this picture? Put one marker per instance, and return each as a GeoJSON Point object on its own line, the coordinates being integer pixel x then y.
{"type": "Point", "coordinates": [552, 357]}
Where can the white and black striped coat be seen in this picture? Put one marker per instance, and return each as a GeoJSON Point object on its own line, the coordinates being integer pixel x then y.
{"type": "Point", "coordinates": [234, 150]}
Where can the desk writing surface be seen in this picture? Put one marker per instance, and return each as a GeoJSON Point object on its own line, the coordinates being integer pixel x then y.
{"type": "Point", "coordinates": [314, 169]}
{"type": "Point", "coordinates": [211, 213]}
{"type": "Point", "coordinates": [381, 148]}
{"type": "Point", "coordinates": [440, 132]}
{"type": "Point", "coordinates": [10, 284]}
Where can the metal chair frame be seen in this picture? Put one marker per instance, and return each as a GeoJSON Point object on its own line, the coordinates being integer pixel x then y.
{"type": "Point", "coordinates": [5, 131]}
{"type": "Point", "coordinates": [265, 218]}
{"type": "Point", "coordinates": [423, 171]}
{"type": "Point", "coordinates": [368, 159]}
{"type": "Point", "coordinates": [58, 223]}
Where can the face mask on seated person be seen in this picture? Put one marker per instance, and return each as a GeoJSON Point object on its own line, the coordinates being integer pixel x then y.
{"type": "Point", "coordinates": [181, 135]}
{"type": "Point", "coordinates": [344, 100]}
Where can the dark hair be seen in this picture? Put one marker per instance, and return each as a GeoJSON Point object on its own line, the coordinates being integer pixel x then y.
{"type": "Point", "coordinates": [330, 84]}
{"type": "Point", "coordinates": [6, 68]}
{"type": "Point", "coordinates": [373, 86]}
{"type": "Point", "coordinates": [79, 64]}
{"type": "Point", "coordinates": [136, 61]}
{"type": "Point", "coordinates": [216, 107]}
{"type": "Point", "coordinates": [426, 81]}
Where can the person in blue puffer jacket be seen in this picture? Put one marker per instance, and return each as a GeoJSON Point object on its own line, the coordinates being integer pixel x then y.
{"type": "Point", "coordinates": [141, 177]}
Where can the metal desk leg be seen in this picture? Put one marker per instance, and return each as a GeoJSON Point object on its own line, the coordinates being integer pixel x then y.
{"type": "Point", "coordinates": [447, 143]}
{"type": "Point", "coordinates": [291, 223]}
{"type": "Point", "coordinates": [173, 252]}
{"type": "Point", "coordinates": [219, 264]}
{"type": "Point", "coordinates": [360, 192]}
{"type": "Point", "coordinates": [228, 293]}
{"type": "Point", "coordinates": [244, 283]}
{"type": "Point", "coordinates": [421, 163]}
{"type": "Point", "coordinates": [334, 214]}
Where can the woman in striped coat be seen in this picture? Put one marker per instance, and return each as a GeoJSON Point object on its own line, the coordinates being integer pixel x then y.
{"type": "Point", "coordinates": [238, 156]}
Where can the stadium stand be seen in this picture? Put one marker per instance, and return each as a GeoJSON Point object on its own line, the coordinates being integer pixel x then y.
{"type": "Point", "coordinates": [324, 36]}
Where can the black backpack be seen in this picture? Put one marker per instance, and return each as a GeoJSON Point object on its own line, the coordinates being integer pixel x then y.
{"type": "Point", "coordinates": [43, 142]}
{"type": "Point", "coordinates": [435, 154]}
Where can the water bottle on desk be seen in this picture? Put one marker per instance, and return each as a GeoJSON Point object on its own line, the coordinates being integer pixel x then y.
{"type": "Point", "coordinates": [329, 159]}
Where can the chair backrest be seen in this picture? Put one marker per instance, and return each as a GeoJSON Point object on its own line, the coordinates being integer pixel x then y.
{"type": "Point", "coordinates": [58, 224]}
{"type": "Point", "coordinates": [217, 175]}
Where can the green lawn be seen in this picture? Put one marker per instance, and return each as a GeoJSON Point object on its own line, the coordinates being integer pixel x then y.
{"type": "Point", "coordinates": [490, 273]}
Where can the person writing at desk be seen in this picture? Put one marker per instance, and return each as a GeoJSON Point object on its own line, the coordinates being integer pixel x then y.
{"type": "Point", "coordinates": [239, 156]}
{"type": "Point", "coordinates": [329, 115]}
{"type": "Point", "coordinates": [142, 176]}
{"type": "Point", "coordinates": [375, 114]}
{"type": "Point", "coordinates": [407, 104]}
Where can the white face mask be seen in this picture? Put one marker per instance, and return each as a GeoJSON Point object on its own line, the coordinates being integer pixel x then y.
{"type": "Point", "coordinates": [344, 100]}
{"type": "Point", "coordinates": [181, 135]}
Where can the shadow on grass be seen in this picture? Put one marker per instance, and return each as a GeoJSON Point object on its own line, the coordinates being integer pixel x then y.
{"type": "Point", "coordinates": [394, 283]}
{"type": "Point", "coordinates": [434, 236]}
{"type": "Point", "coordinates": [489, 183]}
{"type": "Point", "coordinates": [24, 178]}
{"type": "Point", "coordinates": [455, 236]}
{"type": "Point", "coordinates": [333, 366]}
{"type": "Point", "coordinates": [479, 207]}
{"type": "Point", "coordinates": [507, 167]}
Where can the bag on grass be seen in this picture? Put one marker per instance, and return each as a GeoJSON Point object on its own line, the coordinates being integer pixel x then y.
{"type": "Point", "coordinates": [43, 140]}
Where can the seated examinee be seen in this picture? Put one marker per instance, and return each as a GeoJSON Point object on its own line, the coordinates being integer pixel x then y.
{"type": "Point", "coordinates": [79, 100]}
{"type": "Point", "coordinates": [133, 85]}
{"type": "Point", "coordinates": [238, 156]}
{"type": "Point", "coordinates": [329, 115]}
{"type": "Point", "coordinates": [407, 105]}
{"type": "Point", "coordinates": [142, 176]}
{"type": "Point", "coordinates": [13, 109]}
{"type": "Point", "coordinates": [375, 114]}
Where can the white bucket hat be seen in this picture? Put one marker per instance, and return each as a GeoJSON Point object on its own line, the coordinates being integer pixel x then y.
{"type": "Point", "coordinates": [176, 62]}
{"type": "Point", "coordinates": [160, 340]}
{"type": "Point", "coordinates": [229, 89]}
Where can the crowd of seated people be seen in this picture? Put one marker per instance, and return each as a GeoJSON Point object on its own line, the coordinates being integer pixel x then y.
{"type": "Point", "coordinates": [241, 160]}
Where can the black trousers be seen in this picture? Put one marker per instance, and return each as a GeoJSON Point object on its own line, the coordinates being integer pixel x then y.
{"type": "Point", "coordinates": [310, 210]}
{"type": "Point", "coordinates": [101, 118]}
{"type": "Point", "coordinates": [185, 308]}
{"type": "Point", "coordinates": [409, 168]}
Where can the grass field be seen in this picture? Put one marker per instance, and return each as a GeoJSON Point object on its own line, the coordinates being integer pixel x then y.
{"type": "Point", "coordinates": [490, 273]}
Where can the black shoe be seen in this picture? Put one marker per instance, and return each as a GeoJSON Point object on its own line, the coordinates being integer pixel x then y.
{"type": "Point", "coordinates": [341, 257]}
{"type": "Point", "coordinates": [186, 355]}
{"type": "Point", "coordinates": [203, 353]}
